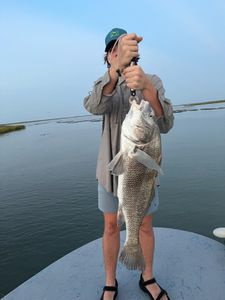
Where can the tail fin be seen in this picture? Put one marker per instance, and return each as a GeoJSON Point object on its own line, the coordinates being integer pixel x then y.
{"type": "Point", "coordinates": [132, 257]}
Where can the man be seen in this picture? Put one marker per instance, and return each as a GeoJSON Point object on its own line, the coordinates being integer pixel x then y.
{"type": "Point", "coordinates": [110, 98]}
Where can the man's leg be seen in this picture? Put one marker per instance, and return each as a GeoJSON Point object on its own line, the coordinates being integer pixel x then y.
{"type": "Point", "coordinates": [111, 246]}
{"type": "Point", "coordinates": [147, 241]}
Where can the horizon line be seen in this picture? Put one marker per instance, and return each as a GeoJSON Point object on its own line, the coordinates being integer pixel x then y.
{"type": "Point", "coordinates": [58, 118]}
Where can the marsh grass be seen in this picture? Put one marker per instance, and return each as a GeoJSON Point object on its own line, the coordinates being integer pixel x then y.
{"type": "Point", "coordinates": [9, 128]}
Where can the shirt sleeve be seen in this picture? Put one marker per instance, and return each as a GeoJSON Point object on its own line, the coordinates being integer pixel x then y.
{"type": "Point", "coordinates": [165, 122]}
{"type": "Point", "coordinates": [95, 102]}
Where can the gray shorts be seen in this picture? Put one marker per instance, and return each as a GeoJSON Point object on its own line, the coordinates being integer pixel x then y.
{"type": "Point", "coordinates": [108, 203]}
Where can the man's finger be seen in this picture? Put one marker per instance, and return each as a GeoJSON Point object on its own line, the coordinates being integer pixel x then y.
{"type": "Point", "coordinates": [129, 69]}
{"type": "Point", "coordinates": [132, 36]}
{"type": "Point", "coordinates": [131, 48]}
{"type": "Point", "coordinates": [131, 80]}
{"type": "Point", "coordinates": [129, 74]}
{"type": "Point", "coordinates": [139, 39]}
{"type": "Point", "coordinates": [130, 42]}
{"type": "Point", "coordinates": [133, 54]}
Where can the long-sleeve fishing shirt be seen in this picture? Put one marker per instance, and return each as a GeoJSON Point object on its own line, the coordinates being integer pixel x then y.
{"type": "Point", "coordinates": [114, 108]}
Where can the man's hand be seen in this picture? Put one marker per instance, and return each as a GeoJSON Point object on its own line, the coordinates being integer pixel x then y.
{"type": "Point", "coordinates": [135, 78]}
{"type": "Point", "coordinates": [127, 49]}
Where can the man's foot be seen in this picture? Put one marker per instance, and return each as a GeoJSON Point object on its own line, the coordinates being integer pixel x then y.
{"type": "Point", "coordinates": [108, 295]}
{"type": "Point", "coordinates": [110, 292]}
{"type": "Point", "coordinates": [154, 289]}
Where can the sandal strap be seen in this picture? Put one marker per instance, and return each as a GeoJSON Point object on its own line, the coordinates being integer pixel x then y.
{"type": "Point", "coordinates": [110, 288]}
{"type": "Point", "coordinates": [150, 281]}
{"type": "Point", "coordinates": [162, 293]}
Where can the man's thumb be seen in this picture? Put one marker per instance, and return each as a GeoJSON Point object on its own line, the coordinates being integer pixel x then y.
{"type": "Point", "coordinates": [139, 39]}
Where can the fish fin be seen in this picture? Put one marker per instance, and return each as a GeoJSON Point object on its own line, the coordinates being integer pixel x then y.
{"type": "Point", "coordinates": [146, 160]}
{"type": "Point", "coordinates": [116, 165]}
{"type": "Point", "coordinates": [120, 216]}
{"type": "Point", "coordinates": [132, 257]}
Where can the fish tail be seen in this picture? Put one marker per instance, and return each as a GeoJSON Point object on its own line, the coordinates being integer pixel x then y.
{"type": "Point", "coordinates": [132, 257]}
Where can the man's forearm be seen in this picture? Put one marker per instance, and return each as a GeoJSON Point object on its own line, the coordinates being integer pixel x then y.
{"type": "Point", "coordinates": [109, 87]}
{"type": "Point", "coordinates": [150, 94]}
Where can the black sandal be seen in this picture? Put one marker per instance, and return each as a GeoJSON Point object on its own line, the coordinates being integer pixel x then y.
{"type": "Point", "coordinates": [143, 284]}
{"type": "Point", "coordinates": [111, 289]}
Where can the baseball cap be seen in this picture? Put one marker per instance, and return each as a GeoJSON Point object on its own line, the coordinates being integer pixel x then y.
{"type": "Point", "coordinates": [112, 36]}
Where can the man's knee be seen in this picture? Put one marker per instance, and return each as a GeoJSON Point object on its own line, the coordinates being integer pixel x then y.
{"type": "Point", "coordinates": [146, 225]}
{"type": "Point", "coordinates": [111, 228]}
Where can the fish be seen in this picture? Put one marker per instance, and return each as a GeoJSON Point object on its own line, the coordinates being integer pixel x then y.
{"type": "Point", "coordinates": [137, 165]}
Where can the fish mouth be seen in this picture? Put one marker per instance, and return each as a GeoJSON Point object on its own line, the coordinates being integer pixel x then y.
{"type": "Point", "coordinates": [136, 106]}
{"type": "Point", "coordinates": [140, 106]}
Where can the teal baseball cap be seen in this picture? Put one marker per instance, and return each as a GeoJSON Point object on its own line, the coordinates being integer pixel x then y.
{"type": "Point", "coordinates": [112, 36]}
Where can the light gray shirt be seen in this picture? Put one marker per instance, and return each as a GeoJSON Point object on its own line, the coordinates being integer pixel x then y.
{"type": "Point", "coordinates": [114, 108]}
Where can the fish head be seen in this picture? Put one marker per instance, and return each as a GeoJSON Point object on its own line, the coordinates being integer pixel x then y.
{"type": "Point", "coordinates": [139, 122]}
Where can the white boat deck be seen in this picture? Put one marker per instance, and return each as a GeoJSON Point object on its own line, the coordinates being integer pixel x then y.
{"type": "Point", "coordinates": [189, 266]}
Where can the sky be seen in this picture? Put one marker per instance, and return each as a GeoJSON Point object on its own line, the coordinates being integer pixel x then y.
{"type": "Point", "coordinates": [51, 52]}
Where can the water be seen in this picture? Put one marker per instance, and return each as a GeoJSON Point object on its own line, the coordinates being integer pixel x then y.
{"type": "Point", "coordinates": [48, 196]}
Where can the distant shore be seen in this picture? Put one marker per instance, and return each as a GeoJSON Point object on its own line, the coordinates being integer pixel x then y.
{"type": "Point", "coordinates": [201, 103]}
{"type": "Point", "coordinates": [191, 106]}
{"type": "Point", "coordinates": [9, 128]}
{"type": "Point", "coordinates": [81, 116]}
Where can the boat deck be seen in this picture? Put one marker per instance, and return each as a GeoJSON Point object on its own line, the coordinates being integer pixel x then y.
{"type": "Point", "coordinates": [189, 266]}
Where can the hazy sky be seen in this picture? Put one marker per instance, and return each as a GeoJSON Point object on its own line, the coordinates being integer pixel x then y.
{"type": "Point", "coordinates": [51, 52]}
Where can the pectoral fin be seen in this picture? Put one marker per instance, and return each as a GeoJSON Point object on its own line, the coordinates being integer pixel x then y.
{"type": "Point", "coordinates": [146, 160]}
{"type": "Point", "coordinates": [116, 165]}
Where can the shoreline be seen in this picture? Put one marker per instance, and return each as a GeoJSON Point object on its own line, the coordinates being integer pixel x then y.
{"type": "Point", "coordinates": [202, 103]}
{"type": "Point", "coordinates": [80, 116]}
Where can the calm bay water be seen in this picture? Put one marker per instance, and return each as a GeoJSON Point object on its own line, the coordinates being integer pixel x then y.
{"type": "Point", "coordinates": [48, 191]}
